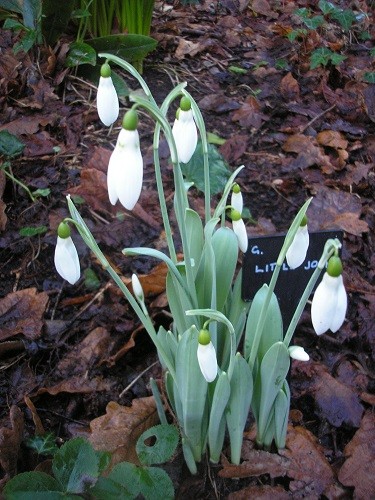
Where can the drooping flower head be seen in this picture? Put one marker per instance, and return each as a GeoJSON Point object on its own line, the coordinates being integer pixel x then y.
{"type": "Point", "coordinates": [125, 168]}
{"type": "Point", "coordinates": [206, 356]}
{"type": "Point", "coordinates": [107, 99]}
{"type": "Point", "coordinates": [236, 199]}
{"type": "Point", "coordinates": [66, 257]}
{"type": "Point", "coordinates": [185, 131]}
{"type": "Point", "coordinates": [328, 308]}
{"type": "Point", "coordinates": [296, 253]}
{"type": "Point", "coordinates": [239, 229]}
{"type": "Point", "coordinates": [298, 353]}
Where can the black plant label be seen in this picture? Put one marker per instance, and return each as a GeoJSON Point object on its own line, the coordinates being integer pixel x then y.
{"type": "Point", "coordinates": [260, 262]}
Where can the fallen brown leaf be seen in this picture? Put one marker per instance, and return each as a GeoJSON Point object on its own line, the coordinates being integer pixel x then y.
{"type": "Point", "coordinates": [358, 470]}
{"type": "Point", "coordinates": [331, 208]}
{"type": "Point", "coordinates": [289, 88]}
{"type": "Point", "coordinates": [90, 352]}
{"type": "Point", "coordinates": [260, 493]}
{"type": "Point", "coordinates": [249, 114]}
{"type": "Point", "coordinates": [21, 313]}
{"type": "Point", "coordinates": [337, 402]}
{"type": "Point", "coordinates": [76, 385]}
{"type": "Point", "coordinates": [10, 441]}
{"type": "Point", "coordinates": [119, 429]}
{"type": "Point", "coordinates": [308, 150]}
{"type": "Point", "coordinates": [302, 460]}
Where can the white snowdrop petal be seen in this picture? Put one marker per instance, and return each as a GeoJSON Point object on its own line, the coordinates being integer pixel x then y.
{"type": "Point", "coordinates": [324, 304]}
{"type": "Point", "coordinates": [114, 166]}
{"type": "Point", "coordinates": [185, 135]}
{"type": "Point", "coordinates": [296, 253]}
{"type": "Point", "coordinates": [298, 353]}
{"type": "Point", "coordinates": [66, 260]}
{"type": "Point", "coordinates": [341, 306]}
{"type": "Point", "coordinates": [125, 170]}
{"type": "Point", "coordinates": [239, 229]}
{"type": "Point", "coordinates": [236, 201]}
{"type": "Point", "coordinates": [207, 361]}
{"type": "Point", "coordinates": [137, 287]}
{"type": "Point", "coordinates": [107, 101]}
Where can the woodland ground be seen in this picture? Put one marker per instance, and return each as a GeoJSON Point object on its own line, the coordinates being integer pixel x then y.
{"type": "Point", "coordinates": [69, 353]}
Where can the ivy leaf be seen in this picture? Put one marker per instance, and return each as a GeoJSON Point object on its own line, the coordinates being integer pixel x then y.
{"type": "Point", "coordinates": [33, 231]}
{"type": "Point", "coordinates": [345, 18]}
{"type": "Point", "coordinates": [219, 172]}
{"type": "Point", "coordinates": [80, 53]}
{"type": "Point", "coordinates": [43, 445]}
{"type": "Point", "coordinates": [10, 146]}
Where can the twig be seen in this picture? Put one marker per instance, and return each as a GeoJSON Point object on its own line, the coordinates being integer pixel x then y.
{"type": "Point", "coordinates": [317, 118]}
{"type": "Point", "coordinates": [137, 378]}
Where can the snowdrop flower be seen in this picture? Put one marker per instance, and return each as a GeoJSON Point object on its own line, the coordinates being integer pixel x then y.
{"type": "Point", "coordinates": [239, 229]}
{"type": "Point", "coordinates": [185, 131]}
{"type": "Point", "coordinates": [138, 293]}
{"type": "Point", "coordinates": [125, 168]}
{"type": "Point", "coordinates": [106, 99]}
{"type": "Point", "coordinates": [296, 253]}
{"type": "Point", "coordinates": [298, 353]}
{"type": "Point", "coordinates": [66, 257]}
{"type": "Point", "coordinates": [236, 200]}
{"type": "Point", "coordinates": [207, 356]}
{"type": "Point", "coordinates": [330, 301]}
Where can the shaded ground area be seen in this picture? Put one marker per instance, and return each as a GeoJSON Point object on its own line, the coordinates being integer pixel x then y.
{"type": "Point", "coordinates": [68, 352]}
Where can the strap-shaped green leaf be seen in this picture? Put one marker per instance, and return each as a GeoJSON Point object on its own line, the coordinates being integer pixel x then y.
{"type": "Point", "coordinates": [225, 247]}
{"type": "Point", "coordinates": [282, 404]}
{"type": "Point", "coordinates": [168, 342]}
{"type": "Point", "coordinates": [273, 371]}
{"type": "Point", "coordinates": [273, 326]}
{"type": "Point", "coordinates": [178, 303]}
{"type": "Point", "coordinates": [241, 390]}
{"type": "Point", "coordinates": [216, 426]}
{"type": "Point", "coordinates": [194, 231]}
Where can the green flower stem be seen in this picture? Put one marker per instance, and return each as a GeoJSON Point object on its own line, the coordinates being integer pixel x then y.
{"type": "Point", "coordinates": [159, 183]}
{"type": "Point", "coordinates": [330, 248]}
{"type": "Point", "coordinates": [145, 319]}
{"type": "Point", "coordinates": [14, 179]}
{"type": "Point", "coordinates": [130, 69]}
{"type": "Point", "coordinates": [206, 168]}
{"type": "Point", "coordinates": [180, 195]}
{"type": "Point", "coordinates": [280, 260]}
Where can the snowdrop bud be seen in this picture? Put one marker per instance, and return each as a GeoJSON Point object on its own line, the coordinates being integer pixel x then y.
{"type": "Point", "coordinates": [66, 257]}
{"type": "Point", "coordinates": [207, 356]}
{"type": "Point", "coordinates": [236, 200]}
{"type": "Point", "coordinates": [329, 304]}
{"type": "Point", "coordinates": [137, 288]}
{"type": "Point", "coordinates": [107, 100]}
{"type": "Point", "coordinates": [296, 253]}
{"type": "Point", "coordinates": [125, 168]}
{"type": "Point", "coordinates": [184, 131]}
{"type": "Point", "coordinates": [298, 353]}
{"type": "Point", "coordinates": [239, 230]}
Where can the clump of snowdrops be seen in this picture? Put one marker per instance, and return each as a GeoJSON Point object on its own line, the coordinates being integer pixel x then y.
{"type": "Point", "coordinates": [210, 385]}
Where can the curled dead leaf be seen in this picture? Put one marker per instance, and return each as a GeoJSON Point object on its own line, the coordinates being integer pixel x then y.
{"type": "Point", "coordinates": [359, 468]}
{"type": "Point", "coordinates": [21, 312]}
{"type": "Point", "coordinates": [119, 429]}
{"type": "Point", "coordinates": [10, 441]}
{"type": "Point", "coordinates": [302, 460]}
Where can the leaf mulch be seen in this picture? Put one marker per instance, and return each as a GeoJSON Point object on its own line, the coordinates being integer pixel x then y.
{"type": "Point", "coordinates": [74, 360]}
